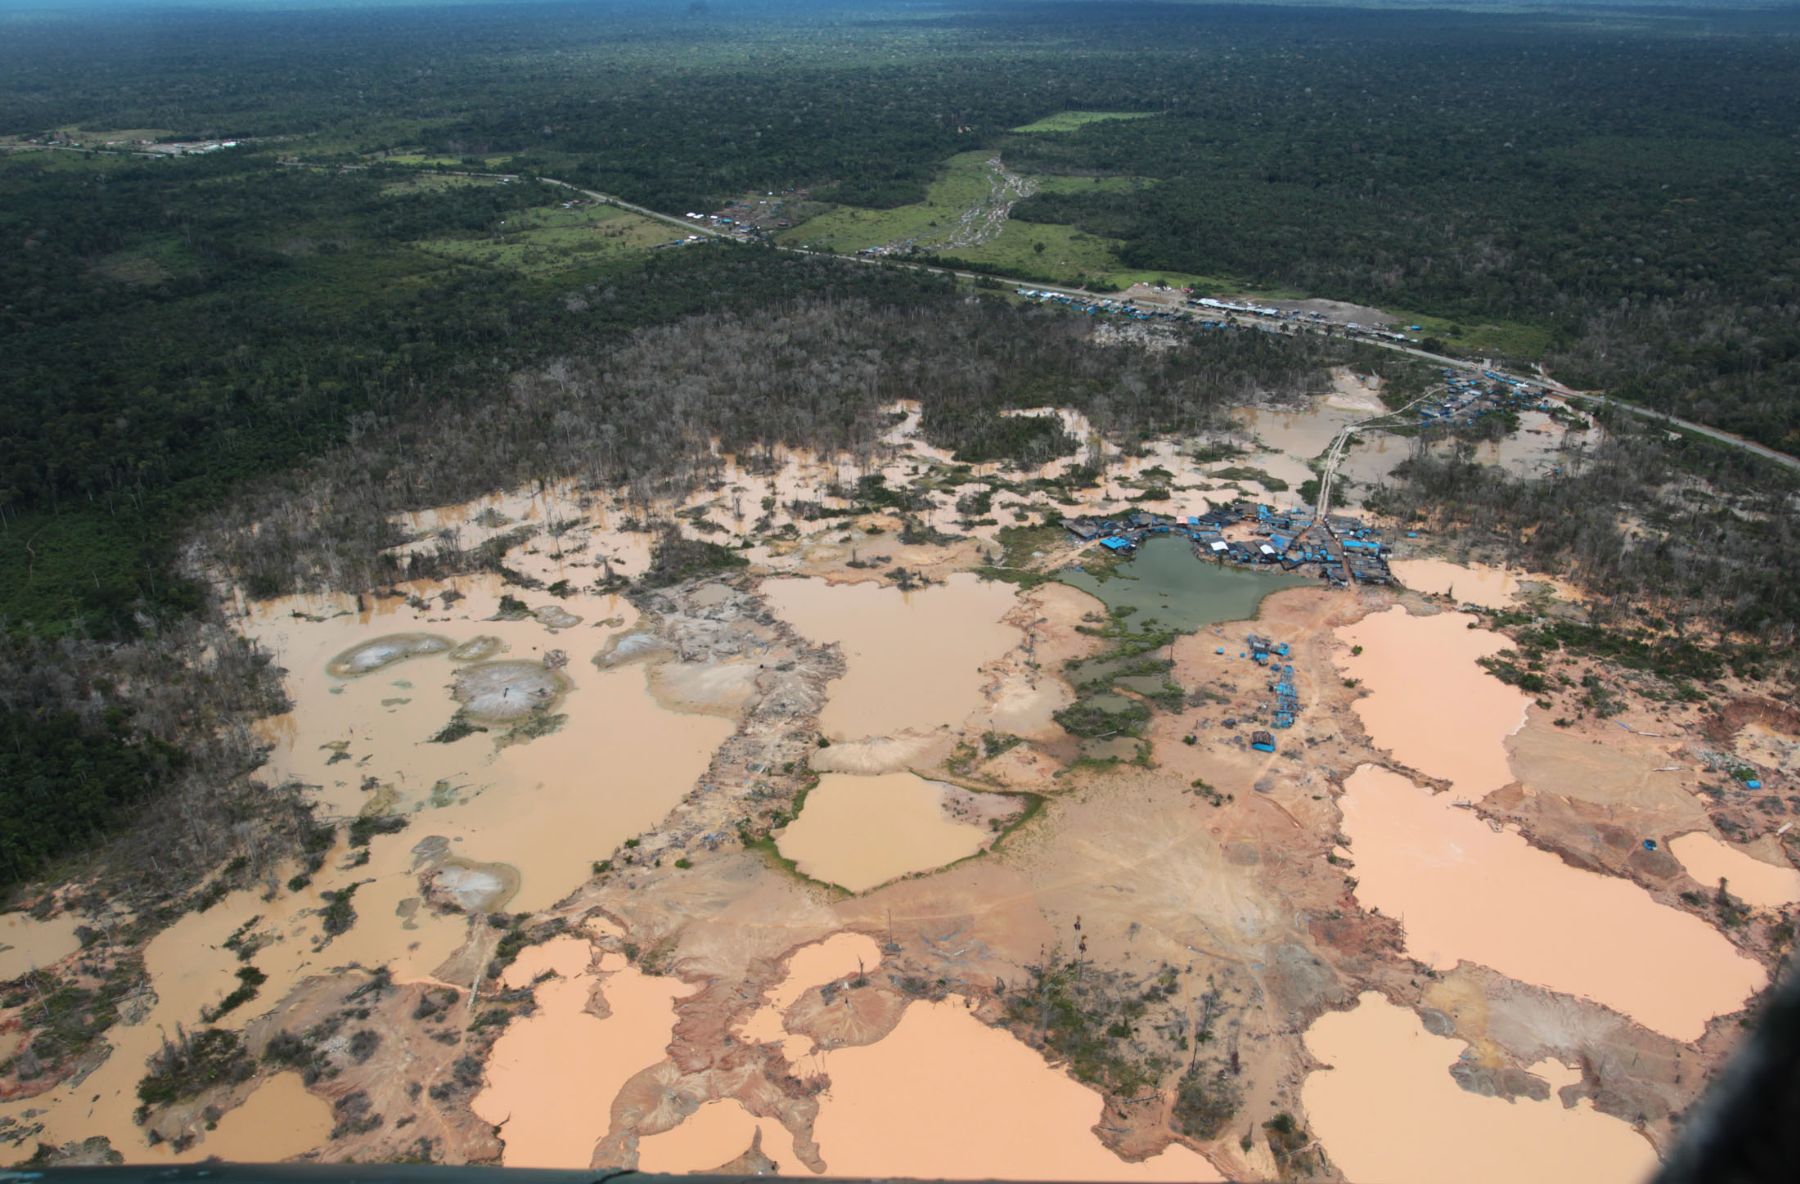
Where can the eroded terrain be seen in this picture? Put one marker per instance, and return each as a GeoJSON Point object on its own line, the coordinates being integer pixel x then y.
{"type": "Point", "coordinates": [813, 858]}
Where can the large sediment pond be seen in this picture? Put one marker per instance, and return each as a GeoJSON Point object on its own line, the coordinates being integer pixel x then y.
{"type": "Point", "coordinates": [552, 1077]}
{"type": "Point", "coordinates": [1387, 1109]}
{"type": "Point", "coordinates": [1164, 582]}
{"type": "Point", "coordinates": [1465, 891]}
{"type": "Point", "coordinates": [899, 1107]}
{"type": "Point", "coordinates": [1429, 703]}
{"type": "Point", "coordinates": [913, 659]}
{"type": "Point", "coordinates": [858, 832]}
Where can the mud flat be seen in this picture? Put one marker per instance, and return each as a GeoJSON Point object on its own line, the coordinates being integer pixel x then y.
{"type": "Point", "coordinates": [894, 1110]}
{"type": "Point", "coordinates": [913, 659]}
{"type": "Point", "coordinates": [1166, 583]}
{"type": "Point", "coordinates": [502, 692]}
{"type": "Point", "coordinates": [860, 832]}
{"type": "Point", "coordinates": [1387, 1109]}
{"type": "Point", "coordinates": [1489, 587]}
{"type": "Point", "coordinates": [552, 1077]}
{"type": "Point", "coordinates": [1466, 892]}
{"type": "Point", "coordinates": [27, 944]}
{"type": "Point", "coordinates": [1429, 703]}
{"type": "Point", "coordinates": [382, 652]}
{"type": "Point", "coordinates": [1748, 878]}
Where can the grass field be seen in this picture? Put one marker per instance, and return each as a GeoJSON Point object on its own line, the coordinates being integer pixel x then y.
{"type": "Point", "coordinates": [423, 182]}
{"type": "Point", "coordinates": [1068, 121]}
{"type": "Point", "coordinates": [1053, 252]}
{"type": "Point", "coordinates": [963, 183]}
{"type": "Point", "coordinates": [425, 160]}
{"type": "Point", "coordinates": [549, 239]}
{"type": "Point", "coordinates": [1498, 339]}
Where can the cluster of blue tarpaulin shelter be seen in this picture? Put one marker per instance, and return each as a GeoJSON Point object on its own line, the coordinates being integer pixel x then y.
{"type": "Point", "coordinates": [1282, 539]}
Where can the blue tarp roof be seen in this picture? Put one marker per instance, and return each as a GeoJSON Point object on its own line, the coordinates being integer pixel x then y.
{"type": "Point", "coordinates": [1116, 544]}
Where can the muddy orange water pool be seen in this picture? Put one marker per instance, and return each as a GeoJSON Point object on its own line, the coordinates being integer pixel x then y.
{"type": "Point", "coordinates": [894, 1110]}
{"type": "Point", "coordinates": [529, 817]}
{"type": "Point", "coordinates": [1746, 877]}
{"type": "Point", "coordinates": [1464, 891]}
{"type": "Point", "coordinates": [912, 659]}
{"type": "Point", "coordinates": [840, 956]}
{"type": "Point", "coordinates": [1386, 1108]}
{"type": "Point", "coordinates": [858, 832]}
{"type": "Point", "coordinates": [712, 1136]}
{"type": "Point", "coordinates": [1489, 587]}
{"type": "Point", "coordinates": [279, 1121]}
{"type": "Point", "coordinates": [27, 944]}
{"type": "Point", "coordinates": [552, 1077]}
{"type": "Point", "coordinates": [1429, 703]}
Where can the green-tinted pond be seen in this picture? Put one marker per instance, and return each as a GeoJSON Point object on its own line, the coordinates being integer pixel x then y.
{"type": "Point", "coordinates": [1166, 583]}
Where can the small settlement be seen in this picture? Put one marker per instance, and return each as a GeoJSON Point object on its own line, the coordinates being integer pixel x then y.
{"type": "Point", "coordinates": [1341, 550]}
{"type": "Point", "coordinates": [1468, 397]}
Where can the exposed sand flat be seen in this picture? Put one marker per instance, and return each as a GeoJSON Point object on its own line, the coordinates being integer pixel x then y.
{"type": "Point", "coordinates": [552, 1077]}
{"type": "Point", "coordinates": [1758, 742]}
{"type": "Point", "coordinates": [1748, 878]}
{"type": "Point", "coordinates": [27, 944]}
{"type": "Point", "coordinates": [859, 832]}
{"type": "Point", "coordinates": [1466, 892]}
{"type": "Point", "coordinates": [1429, 703]}
{"type": "Point", "coordinates": [896, 1108]}
{"type": "Point", "coordinates": [913, 659]}
{"type": "Point", "coordinates": [1489, 587]}
{"type": "Point", "coordinates": [1625, 771]}
{"type": "Point", "coordinates": [279, 1121]}
{"type": "Point", "coordinates": [1387, 1109]}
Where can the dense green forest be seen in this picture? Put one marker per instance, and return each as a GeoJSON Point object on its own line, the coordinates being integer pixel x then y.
{"type": "Point", "coordinates": [193, 339]}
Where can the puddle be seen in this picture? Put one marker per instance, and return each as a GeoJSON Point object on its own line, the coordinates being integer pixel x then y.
{"type": "Point", "coordinates": [912, 659]}
{"type": "Point", "coordinates": [1763, 885]}
{"type": "Point", "coordinates": [1166, 583]}
{"type": "Point", "coordinates": [860, 832]}
{"type": "Point", "coordinates": [27, 944]}
{"type": "Point", "coordinates": [1429, 703]}
{"type": "Point", "coordinates": [552, 1076]}
{"type": "Point", "coordinates": [894, 1111]}
{"type": "Point", "coordinates": [1464, 891]}
{"type": "Point", "coordinates": [1387, 1109]}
